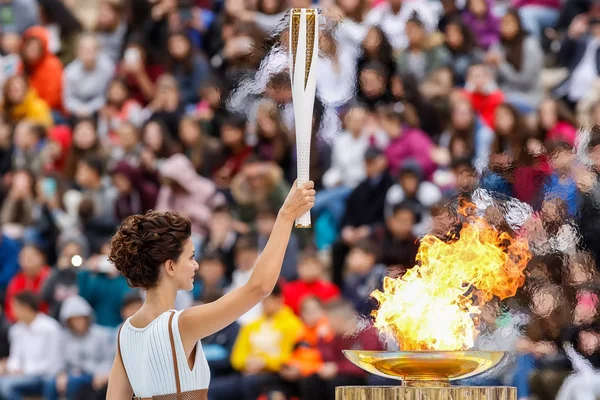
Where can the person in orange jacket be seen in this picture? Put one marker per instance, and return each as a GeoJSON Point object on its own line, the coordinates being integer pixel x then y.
{"type": "Point", "coordinates": [42, 68]}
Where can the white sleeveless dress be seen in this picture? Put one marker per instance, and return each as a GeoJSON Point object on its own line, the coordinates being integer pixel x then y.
{"type": "Point", "coordinates": [147, 355]}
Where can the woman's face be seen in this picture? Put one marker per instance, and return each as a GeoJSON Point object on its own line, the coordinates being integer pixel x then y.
{"type": "Point", "coordinates": [153, 136]}
{"type": "Point", "coordinates": [548, 114]}
{"type": "Point", "coordinates": [509, 27]}
{"type": "Point", "coordinates": [415, 33]}
{"type": "Point", "coordinates": [17, 90]}
{"type": "Point", "coordinates": [478, 7]}
{"type": "Point", "coordinates": [128, 136]}
{"type": "Point", "coordinates": [454, 36]}
{"type": "Point", "coordinates": [189, 132]}
{"type": "Point", "coordinates": [185, 267]}
{"type": "Point", "coordinates": [231, 136]}
{"type": "Point", "coordinates": [32, 51]}
{"type": "Point", "coordinates": [372, 41]}
{"type": "Point", "coordinates": [178, 47]}
{"type": "Point", "coordinates": [84, 136]}
{"type": "Point", "coordinates": [462, 116]}
{"type": "Point", "coordinates": [117, 93]}
{"type": "Point", "coordinates": [504, 121]}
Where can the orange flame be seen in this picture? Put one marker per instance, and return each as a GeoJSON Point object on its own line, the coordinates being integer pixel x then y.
{"type": "Point", "coordinates": [432, 306]}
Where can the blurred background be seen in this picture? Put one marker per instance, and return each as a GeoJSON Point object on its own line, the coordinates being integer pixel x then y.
{"type": "Point", "coordinates": [110, 108]}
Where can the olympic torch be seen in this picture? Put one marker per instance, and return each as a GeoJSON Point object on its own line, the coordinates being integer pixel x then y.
{"type": "Point", "coordinates": [304, 49]}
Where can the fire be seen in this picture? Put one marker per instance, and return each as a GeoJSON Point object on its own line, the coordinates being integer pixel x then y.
{"type": "Point", "coordinates": [432, 307]}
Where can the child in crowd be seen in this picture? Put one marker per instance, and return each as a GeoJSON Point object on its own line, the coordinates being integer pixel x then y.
{"type": "Point", "coordinates": [246, 253]}
{"type": "Point", "coordinates": [210, 280]}
{"type": "Point", "coordinates": [33, 275]}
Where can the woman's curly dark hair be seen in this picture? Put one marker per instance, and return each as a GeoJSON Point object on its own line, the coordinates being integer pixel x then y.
{"type": "Point", "coordinates": [144, 242]}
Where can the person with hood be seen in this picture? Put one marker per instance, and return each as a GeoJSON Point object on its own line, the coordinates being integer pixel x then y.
{"type": "Point", "coordinates": [188, 193]}
{"type": "Point", "coordinates": [22, 102]}
{"type": "Point", "coordinates": [86, 347]}
{"type": "Point", "coordinates": [62, 283]}
{"type": "Point", "coordinates": [43, 68]}
{"type": "Point", "coordinates": [137, 193]}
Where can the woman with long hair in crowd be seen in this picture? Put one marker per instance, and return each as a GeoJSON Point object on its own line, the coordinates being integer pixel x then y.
{"type": "Point", "coordinates": [155, 252]}
{"type": "Point", "coordinates": [63, 28]}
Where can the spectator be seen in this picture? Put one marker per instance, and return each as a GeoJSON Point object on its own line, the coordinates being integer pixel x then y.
{"type": "Point", "coordinates": [63, 28]}
{"type": "Point", "coordinates": [86, 350]}
{"type": "Point", "coordinates": [119, 110]}
{"type": "Point", "coordinates": [423, 56]}
{"type": "Point", "coordinates": [96, 190]}
{"type": "Point", "coordinates": [399, 246]}
{"type": "Point", "coordinates": [482, 92]}
{"type": "Point", "coordinates": [166, 106]}
{"type": "Point", "coordinates": [479, 17]}
{"type": "Point", "coordinates": [31, 360]}
{"type": "Point", "coordinates": [110, 28]}
{"type": "Point", "coordinates": [555, 122]}
{"type": "Point", "coordinates": [204, 151]}
{"type": "Point", "coordinates": [185, 191]}
{"type": "Point", "coordinates": [265, 221]}
{"type": "Point", "coordinates": [86, 143]}
{"type": "Point", "coordinates": [33, 275]}
{"type": "Point", "coordinates": [519, 59]}
{"type": "Point", "coordinates": [222, 237]}
{"type": "Point", "coordinates": [376, 47]}
{"type": "Point", "coordinates": [406, 142]}
{"type": "Point", "coordinates": [311, 282]}
{"type": "Point", "coordinates": [364, 210]}
{"type": "Point", "coordinates": [278, 329]}
{"type": "Point", "coordinates": [363, 275]}
{"type": "Point", "coordinates": [273, 142]}
{"type": "Point", "coordinates": [211, 280]}
{"type": "Point", "coordinates": [18, 16]}
{"type": "Point", "coordinates": [188, 67]}
{"type": "Point", "coordinates": [140, 72]}
{"type": "Point", "coordinates": [233, 131]}
{"type": "Point", "coordinates": [22, 102]}
{"type": "Point", "coordinates": [43, 68]}
{"type": "Point", "coordinates": [137, 193]}
{"type": "Point", "coordinates": [217, 349]}
{"type": "Point", "coordinates": [462, 45]}
{"type": "Point", "coordinates": [62, 282]}
{"type": "Point", "coordinates": [158, 146]}
{"type": "Point", "coordinates": [337, 370]}
{"type": "Point", "coordinates": [86, 79]}
{"type": "Point", "coordinates": [29, 144]}
{"type": "Point", "coordinates": [16, 213]}
{"type": "Point", "coordinates": [258, 183]}
{"type": "Point", "coordinates": [561, 183]}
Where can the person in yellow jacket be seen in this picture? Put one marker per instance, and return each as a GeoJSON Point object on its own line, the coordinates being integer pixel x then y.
{"type": "Point", "coordinates": [22, 102]}
{"type": "Point", "coordinates": [264, 346]}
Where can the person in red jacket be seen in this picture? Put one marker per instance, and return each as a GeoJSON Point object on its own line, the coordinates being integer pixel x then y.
{"type": "Point", "coordinates": [310, 282]}
{"type": "Point", "coordinates": [32, 277]}
{"type": "Point", "coordinates": [337, 370]}
{"type": "Point", "coordinates": [43, 69]}
{"type": "Point", "coordinates": [483, 93]}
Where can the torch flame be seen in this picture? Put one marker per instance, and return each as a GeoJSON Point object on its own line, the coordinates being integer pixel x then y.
{"type": "Point", "coordinates": [432, 306]}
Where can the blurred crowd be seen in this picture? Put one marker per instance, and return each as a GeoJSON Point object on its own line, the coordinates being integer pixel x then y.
{"type": "Point", "coordinates": [110, 108]}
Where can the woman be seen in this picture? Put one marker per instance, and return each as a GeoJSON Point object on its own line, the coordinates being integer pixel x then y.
{"type": "Point", "coordinates": [187, 66]}
{"type": "Point", "coordinates": [519, 60]}
{"type": "Point", "coordinates": [462, 46]}
{"type": "Point", "coordinates": [22, 102]}
{"type": "Point", "coordinates": [154, 251]}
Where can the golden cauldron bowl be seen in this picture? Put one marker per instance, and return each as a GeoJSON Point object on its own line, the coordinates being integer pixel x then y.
{"type": "Point", "coordinates": [425, 368]}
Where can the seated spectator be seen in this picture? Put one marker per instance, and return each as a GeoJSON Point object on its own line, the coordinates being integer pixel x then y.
{"type": "Point", "coordinates": [423, 56]}
{"type": "Point", "coordinates": [111, 28]}
{"type": "Point", "coordinates": [258, 183]}
{"type": "Point", "coordinates": [555, 122]}
{"type": "Point", "coordinates": [103, 287]}
{"type": "Point", "coordinates": [581, 38]}
{"type": "Point", "coordinates": [137, 193]}
{"type": "Point", "coordinates": [29, 146]}
{"type": "Point", "coordinates": [43, 69]}
{"type": "Point", "coordinates": [261, 349]}
{"type": "Point", "coordinates": [204, 151]}
{"type": "Point", "coordinates": [222, 237]}
{"type": "Point", "coordinates": [187, 66]}
{"type": "Point", "coordinates": [406, 142]}
{"type": "Point", "coordinates": [86, 79]}
{"type": "Point", "coordinates": [140, 71]}
{"type": "Point", "coordinates": [364, 210]}
{"type": "Point", "coordinates": [246, 253]}
{"type": "Point", "coordinates": [188, 193]}
{"type": "Point", "coordinates": [235, 149]}
{"type": "Point", "coordinates": [265, 221]}
{"type": "Point", "coordinates": [31, 360]}
{"type": "Point", "coordinates": [519, 60]}
{"type": "Point", "coordinates": [16, 213]}
{"type": "Point", "coordinates": [211, 281]}
{"type": "Point", "coordinates": [129, 144]}
{"type": "Point", "coordinates": [62, 282]}
{"type": "Point", "coordinates": [119, 109]}
{"type": "Point", "coordinates": [64, 29]}
{"type": "Point", "coordinates": [158, 146]}
{"type": "Point", "coordinates": [412, 188]}
{"type": "Point", "coordinates": [482, 92]}
{"type": "Point", "coordinates": [33, 275]}
{"type": "Point", "coordinates": [561, 184]}
{"type": "Point", "coordinates": [363, 276]}
{"type": "Point", "coordinates": [306, 360]}
{"type": "Point", "coordinates": [462, 45]}
{"type": "Point", "coordinates": [87, 351]}
{"type": "Point", "coordinates": [337, 370]}
{"type": "Point", "coordinates": [399, 246]}
{"type": "Point", "coordinates": [273, 139]}
{"type": "Point", "coordinates": [22, 102]}
{"type": "Point", "coordinates": [310, 282]}
{"type": "Point", "coordinates": [479, 17]}
{"type": "Point", "coordinates": [374, 85]}
{"type": "Point", "coordinates": [86, 143]}
{"type": "Point", "coordinates": [166, 107]}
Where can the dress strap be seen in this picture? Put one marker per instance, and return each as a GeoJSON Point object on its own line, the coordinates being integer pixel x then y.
{"type": "Point", "coordinates": [175, 366]}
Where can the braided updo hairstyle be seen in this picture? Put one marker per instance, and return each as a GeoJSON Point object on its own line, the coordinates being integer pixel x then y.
{"type": "Point", "coordinates": [145, 242]}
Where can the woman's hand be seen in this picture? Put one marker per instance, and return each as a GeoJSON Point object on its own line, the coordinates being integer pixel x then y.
{"type": "Point", "coordinates": [298, 201]}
